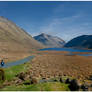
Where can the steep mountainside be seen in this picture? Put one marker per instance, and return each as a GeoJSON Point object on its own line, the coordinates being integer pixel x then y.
{"type": "Point", "coordinates": [13, 38]}
{"type": "Point", "coordinates": [50, 41]}
{"type": "Point", "coordinates": [84, 41]}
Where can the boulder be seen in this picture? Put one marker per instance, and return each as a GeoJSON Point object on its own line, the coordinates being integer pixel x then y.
{"type": "Point", "coordinates": [65, 80]}
{"type": "Point", "coordinates": [21, 76]}
{"type": "Point", "coordinates": [27, 82]}
{"type": "Point", "coordinates": [84, 87]}
{"type": "Point", "coordinates": [18, 82]}
{"type": "Point", "coordinates": [34, 81]}
{"type": "Point", "coordinates": [57, 79]}
{"type": "Point", "coordinates": [68, 81]}
{"type": "Point", "coordinates": [73, 85]}
{"type": "Point", "coordinates": [61, 80]}
{"type": "Point", "coordinates": [90, 77]}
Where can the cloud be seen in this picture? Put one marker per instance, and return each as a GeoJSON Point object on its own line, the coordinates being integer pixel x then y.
{"type": "Point", "coordinates": [68, 21]}
{"type": "Point", "coordinates": [68, 27]}
{"type": "Point", "coordinates": [59, 26]}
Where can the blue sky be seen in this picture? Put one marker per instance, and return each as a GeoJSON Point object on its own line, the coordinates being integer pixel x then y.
{"type": "Point", "coordinates": [64, 19]}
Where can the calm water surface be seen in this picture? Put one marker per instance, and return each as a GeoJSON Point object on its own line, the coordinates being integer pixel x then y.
{"type": "Point", "coordinates": [69, 50]}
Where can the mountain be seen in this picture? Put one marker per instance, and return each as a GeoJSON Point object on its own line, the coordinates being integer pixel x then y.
{"type": "Point", "coordinates": [14, 38]}
{"type": "Point", "coordinates": [49, 41]}
{"type": "Point", "coordinates": [84, 41]}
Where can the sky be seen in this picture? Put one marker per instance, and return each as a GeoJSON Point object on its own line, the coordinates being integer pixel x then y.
{"type": "Point", "coordinates": [65, 19]}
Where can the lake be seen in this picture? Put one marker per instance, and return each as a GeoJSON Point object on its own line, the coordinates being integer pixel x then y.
{"type": "Point", "coordinates": [69, 50]}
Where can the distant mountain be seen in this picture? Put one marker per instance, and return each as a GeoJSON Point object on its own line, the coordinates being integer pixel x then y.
{"type": "Point", "coordinates": [84, 41]}
{"type": "Point", "coordinates": [49, 41]}
{"type": "Point", "coordinates": [13, 38]}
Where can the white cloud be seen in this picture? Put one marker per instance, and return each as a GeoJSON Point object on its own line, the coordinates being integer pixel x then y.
{"type": "Point", "coordinates": [67, 28]}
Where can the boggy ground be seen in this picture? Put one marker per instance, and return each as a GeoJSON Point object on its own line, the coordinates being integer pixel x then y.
{"type": "Point", "coordinates": [47, 64]}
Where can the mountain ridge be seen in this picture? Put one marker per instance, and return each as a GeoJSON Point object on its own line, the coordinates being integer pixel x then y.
{"type": "Point", "coordinates": [49, 40]}
{"type": "Point", "coordinates": [83, 41]}
{"type": "Point", "coordinates": [15, 38]}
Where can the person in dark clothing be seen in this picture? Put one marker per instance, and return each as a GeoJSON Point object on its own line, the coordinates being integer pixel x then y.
{"type": "Point", "coordinates": [2, 63]}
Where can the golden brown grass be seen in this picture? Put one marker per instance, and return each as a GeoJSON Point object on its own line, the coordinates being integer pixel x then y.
{"type": "Point", "coordinates": [50, 63]}
{"type": "Point", "coordinates": [9, 57]}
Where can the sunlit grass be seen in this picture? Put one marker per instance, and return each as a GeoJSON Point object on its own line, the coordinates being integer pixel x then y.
{"type": "Point", "coordinates": [11, 72]}
{"type": "Point", "coordinates": [50, 86]}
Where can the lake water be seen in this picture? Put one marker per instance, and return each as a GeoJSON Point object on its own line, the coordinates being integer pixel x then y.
{"type": "Point", "coordinates": [18, 62]}
{"type": "Point", "coordinates": [27, 59]}
{"type": "Point", "coordinates": [66, 49]}
{"type": "Point", "coordinates": [69, 50]}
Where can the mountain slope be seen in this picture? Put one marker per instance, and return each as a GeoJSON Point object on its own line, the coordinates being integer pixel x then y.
{"type": "Point", "coordinates": [49, 41]}
{"type": "Point", "coordinates": [84, 41]}
{"type": "Point", "coordinates": [13, 38]}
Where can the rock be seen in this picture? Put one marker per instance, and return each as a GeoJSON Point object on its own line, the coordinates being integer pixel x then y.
{"type": "Point", "coordinates": [19, 81]}
{"type": "Point", "coordinates": [68, 80]}
{"type": "Point", "coordinates": [56, 79]}
{"type": "Point", "coordinates": [61, 80]}
{"type": "Point", "coordinates": [21, 76]}
{"type": "Point", "coordinates": [27, 82]}
{"type": "Point", "coordinates": [90, 85]}
{"type": "Point", "coordinates": [73, 85]}
{"type": "Point", "coordinates": [43, 78]}
{"type": "Point", "coordinates": [34, 81]}
{"type": "Point", "coordinates": [6, 84]}
{"type": "Point", "coordinates": [84, 87]}
{"type": "Point", "coordinates": [90, 77]}
{"type": "Point", "coordinates": [65, 80]}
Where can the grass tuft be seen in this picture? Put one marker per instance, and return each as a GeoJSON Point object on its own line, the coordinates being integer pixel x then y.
{"type": "Point", "coordinates": [49, 86]}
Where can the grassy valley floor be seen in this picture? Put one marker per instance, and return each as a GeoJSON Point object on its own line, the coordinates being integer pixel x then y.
{"type": "Point", "coordinates": [55, 86]}
{"type": "Point", "coordinates": [55, 63]}
{"type": "Point", "coordinates": [47, 65]}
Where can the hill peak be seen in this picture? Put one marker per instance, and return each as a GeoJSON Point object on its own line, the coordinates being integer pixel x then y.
{"type": "Point", "coordinates": [49, 40]}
